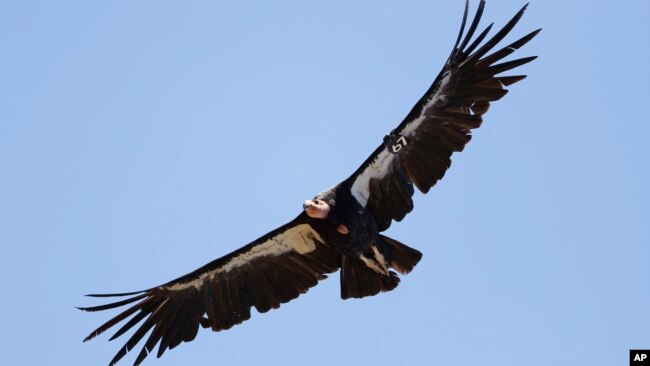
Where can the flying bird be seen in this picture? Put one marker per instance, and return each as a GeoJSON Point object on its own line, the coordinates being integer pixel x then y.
{"type": "Point", "coordinates": [339, 228]}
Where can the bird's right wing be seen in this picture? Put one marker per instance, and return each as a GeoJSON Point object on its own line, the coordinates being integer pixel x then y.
{"type": "Point", "coordinates": [418, 151]}
{"type": "Point", "coordinates": [273, 269]}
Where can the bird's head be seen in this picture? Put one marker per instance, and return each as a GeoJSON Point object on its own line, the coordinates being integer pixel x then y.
{"type": "Point", "coordinates": [316, 208]}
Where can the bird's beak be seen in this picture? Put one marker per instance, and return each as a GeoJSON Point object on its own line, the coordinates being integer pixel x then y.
{"type": "Point", "coordinates": [306, 204]}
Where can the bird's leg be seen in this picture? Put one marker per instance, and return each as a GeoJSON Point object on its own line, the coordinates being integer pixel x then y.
{"type": "Point", "coordinates": [374, 265]}
{"type": "Point", "coordinates": [380, 259]}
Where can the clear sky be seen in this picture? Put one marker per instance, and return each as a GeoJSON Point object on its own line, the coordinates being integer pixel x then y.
{"type": "Point", "coordinates": [140, 140]}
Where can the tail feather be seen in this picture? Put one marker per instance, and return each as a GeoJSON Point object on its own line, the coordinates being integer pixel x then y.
{"type": "Point", "coordinates": [402, 257]}
{"type": "Point", "coordinates": [358, 280]}
{"type": "Point", "coordinates": [363, 277]}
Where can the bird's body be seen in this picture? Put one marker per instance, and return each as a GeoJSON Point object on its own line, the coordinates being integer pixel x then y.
{"type": "Point", "coordinates": [366, 256]}
{"type": "Point", "coordinates": [341, 227]}
{"type": "Point", "coordinates": [360, 228]}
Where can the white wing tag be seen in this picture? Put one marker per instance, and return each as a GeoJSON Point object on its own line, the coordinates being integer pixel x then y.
{"type": "Point", "coordinates": [395, 144]}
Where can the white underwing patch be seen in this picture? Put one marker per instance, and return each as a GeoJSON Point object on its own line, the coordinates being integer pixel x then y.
{"type": "Point", "coordinates": [301, 239]}
{"type": "Point", "coordinates": [379, 168]}
{"type": "Point", "coordinates": [298, 238]}
{"type": "Point", "coordinates": [411, 127]}
{"type": "Point", "coordinates": [382, 165]}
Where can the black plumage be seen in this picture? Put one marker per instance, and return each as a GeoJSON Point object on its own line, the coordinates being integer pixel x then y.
{"type": "Point", "coordinates": [341, 227]}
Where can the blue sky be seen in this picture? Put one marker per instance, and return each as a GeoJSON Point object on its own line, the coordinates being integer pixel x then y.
{"type": "Point", "coordinates": [139, 140]}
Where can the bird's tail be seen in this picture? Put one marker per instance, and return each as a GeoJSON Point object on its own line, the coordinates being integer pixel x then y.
{"type": "Point", "coordinates": [369, 274]}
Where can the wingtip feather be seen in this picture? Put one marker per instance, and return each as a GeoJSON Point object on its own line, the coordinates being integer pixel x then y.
{"type": "Point", "coordinates": [462, 25]}
{"type": "Point", "coordinates": [117, 294]}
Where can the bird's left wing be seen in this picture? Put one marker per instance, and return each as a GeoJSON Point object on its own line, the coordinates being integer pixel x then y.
{"type": "Point", "coordinates": [418, 151]}
{"type": "Point", "coordinates": [271, 270]}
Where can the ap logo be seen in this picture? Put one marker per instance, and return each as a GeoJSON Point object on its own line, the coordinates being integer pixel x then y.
{"type": "Point", "coordinates": [639, 357]}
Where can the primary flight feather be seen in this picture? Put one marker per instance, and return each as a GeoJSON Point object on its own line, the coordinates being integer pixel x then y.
{"type": "Point", "coordinates": [339, 228]}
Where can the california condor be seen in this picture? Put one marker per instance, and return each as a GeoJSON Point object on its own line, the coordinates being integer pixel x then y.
{"type": "Point", "coordinates": [340, 228]}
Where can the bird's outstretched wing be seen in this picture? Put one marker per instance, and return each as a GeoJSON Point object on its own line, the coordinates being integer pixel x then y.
{"type": "Point", "coordinates": [271, 270]}
{"type": "Point", "coordinates": [418, 151]}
